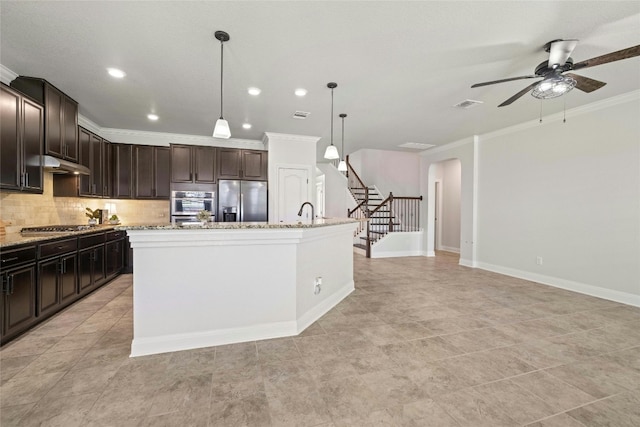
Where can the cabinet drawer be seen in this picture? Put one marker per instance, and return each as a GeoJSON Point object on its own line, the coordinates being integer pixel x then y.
{"type": "Point", "coordinates": [58, 248]}
{"type": "Point", "coordinates": [115, 235]}
{"type": "Point", "coordinates": [92, 240]}
{"type": "Point", "coordinates": [17, 256]}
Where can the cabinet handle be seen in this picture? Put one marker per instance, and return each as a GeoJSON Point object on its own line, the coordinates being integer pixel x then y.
{"type": "Point", "coordinates": [11, 285]}
{"type": "Point", "coordinates": [5, 285]}
{"type": "Point", "coordinates": [9, 259]}
{"type": "Point", "coordinates": [26, 179]}
{"type": "Point", "coordinates": [64, 266]}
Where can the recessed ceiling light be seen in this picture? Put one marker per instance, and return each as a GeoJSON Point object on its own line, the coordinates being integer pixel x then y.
{"type": "Point", "coordinates": [254, 91]}
{"type": "Point", "coordinates": [114, 72]}
{"type": "Point", "coordinates": [246, 126]}
{"type": "Point", "coordinates": [300, 92]}
{"type": "Point", "coordinates": [153, 117]}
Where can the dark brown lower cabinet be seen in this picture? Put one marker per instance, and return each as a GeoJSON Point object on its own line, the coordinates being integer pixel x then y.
{"type": "Point", "coordinates": [57, 279]}
{"type": "Point", "coordinates": [91, 268]}
{"type": "Point", "coordinates": [18, 300]}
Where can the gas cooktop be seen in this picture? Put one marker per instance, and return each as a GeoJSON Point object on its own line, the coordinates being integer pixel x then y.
{"type": "Point", "coordinates": [55, 228]}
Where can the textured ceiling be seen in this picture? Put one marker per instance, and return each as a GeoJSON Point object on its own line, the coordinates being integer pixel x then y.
{"type": "Point", "coordinates": [400, 66]}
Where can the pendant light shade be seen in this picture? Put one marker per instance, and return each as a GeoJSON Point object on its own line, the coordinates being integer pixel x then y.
{"type": "Point", "coordinates": [331, 153]}
{"type": "Point", "coordinates": [222, 127]}
{"type": "Point", "coordinates": [342, 166]}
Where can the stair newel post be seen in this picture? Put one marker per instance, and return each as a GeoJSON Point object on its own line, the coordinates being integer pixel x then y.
{"type": "Point", "coordinates": [390, 212]}
{"type": "Point", "coordinates": [368, 240]}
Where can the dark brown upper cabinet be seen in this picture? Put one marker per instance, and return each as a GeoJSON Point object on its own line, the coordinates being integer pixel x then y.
{"type": "Point", "coordinates": [122, 161]}
{"type": "Point", "coordinates": [60, 116]}
{"type": "Point", "coordinates": [21, 142]}
{"type": "Point", "coordinates": [193, 164]}
{"type": "Point", "coordinates": [151, 170]}
{"type": "Point", "coordinates": [94, 153]}
{"type": "Point", "coordinates": [248, 165]}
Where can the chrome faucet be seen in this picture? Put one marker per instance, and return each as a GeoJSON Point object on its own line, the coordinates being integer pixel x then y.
{"type": "Point", "coordinates": [302, 207]}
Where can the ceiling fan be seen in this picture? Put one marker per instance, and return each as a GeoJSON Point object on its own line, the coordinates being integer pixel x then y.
{"type": "Point", "coordinates": [555, 82]}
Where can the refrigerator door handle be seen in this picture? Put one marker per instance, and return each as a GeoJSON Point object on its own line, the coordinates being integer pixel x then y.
{"type": "Point", "coordinates": [241, 207]}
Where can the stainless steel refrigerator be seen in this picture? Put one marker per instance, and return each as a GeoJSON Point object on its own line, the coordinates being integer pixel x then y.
{"type": "Point", "coordinates": [244, 201]}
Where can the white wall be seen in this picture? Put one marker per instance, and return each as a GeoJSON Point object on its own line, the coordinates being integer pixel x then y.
{"type": "Point", "coordinates": [296, 151]}
{"type": "Point", "coordinates": [390, 171]}
{"type": "Point", "coordinates": [569, 193]}
{"type": "Point", "coordinates": [450, 219]}
{"type": "Point", "coordinates": [566, 192]}
{"type": "Point", "coordinates": [336, 197]}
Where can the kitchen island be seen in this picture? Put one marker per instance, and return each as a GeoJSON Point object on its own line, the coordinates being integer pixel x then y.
{"type": "Point", "coordinates": [224, 283]}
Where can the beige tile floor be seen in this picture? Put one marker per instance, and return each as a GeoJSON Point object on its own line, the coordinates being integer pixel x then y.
{"type": "Point", "coordinates": [421, 342]}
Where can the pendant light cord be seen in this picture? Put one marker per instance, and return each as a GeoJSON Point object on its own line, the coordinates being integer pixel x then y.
{"type": "Point", "coordinates": [343, 138]}
{"type": "Point", "coordinates": [221, 74]}
{"type": "Point", "coordinates": [331, 116]}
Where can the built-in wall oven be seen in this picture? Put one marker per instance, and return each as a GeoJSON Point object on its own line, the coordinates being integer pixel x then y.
{"type": "Point", "coordinates": [185, 205]}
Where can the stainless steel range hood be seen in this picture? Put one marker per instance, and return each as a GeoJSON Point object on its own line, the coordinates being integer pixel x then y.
{"type": "Point", "coordinates": [55, 165]}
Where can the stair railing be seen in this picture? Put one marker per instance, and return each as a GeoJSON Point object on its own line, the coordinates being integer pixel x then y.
{"type": "Point", "coordinates": [404, 215]}
{"type": "Point", "coordinates": [355, 184]}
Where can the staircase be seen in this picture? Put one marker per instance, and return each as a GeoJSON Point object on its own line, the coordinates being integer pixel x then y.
{"type": "Point", "coordinates": [393, 214]}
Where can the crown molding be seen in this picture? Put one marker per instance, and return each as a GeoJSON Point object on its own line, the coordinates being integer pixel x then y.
{"type": "Point", "coordinates": [6, 75]}
{"type": "Point", "coordinates": [447, 147]}
{"type": "Point", "coordinates": [290, 137]}
{"type": "Point", "coordinates": [577, 111]}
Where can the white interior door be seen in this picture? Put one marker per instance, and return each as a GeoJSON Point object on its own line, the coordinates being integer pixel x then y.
{"type": "Point", "coordinates": [293, 191]}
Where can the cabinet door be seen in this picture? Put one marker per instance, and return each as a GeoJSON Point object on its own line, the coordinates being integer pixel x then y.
{"type": "Point", "coordinates": [10, 160]}
{"type": "Point", "coordinates": [181, 161]}
{"type": "Point", "coordinates": [143, 171]}
{"type": "Point", "coordinates": [84, 147]}
{"type": "Point", "coordinates": [122, 157]}
{"type": "Point", "coordinates": [114, 255]}
{"type": "Point", "coordinates": [96, 165]}
{"type": "Point", "coordinates": [70, 129]}
{"type": "Point", "coordinates": [229, 162]}
{"type": "Point", "coordinates": [32, 140]}
{"type": "Point", "coordinates": [98, 263]}
{"type": "Point", "coordinates": [54, 104]}
{"type": "Point", "coordinates": [107, 177]}
{"type": "Point", "coordinates": [205, 161]}
{"type": "Point", "coordinates": [20, 300]}
{"type": "Point", "coordinates": [254, 165]}
{"type": "Point", "coordinates": [162, 166]}
{"type": "Point", "coordinates": [48, 296]}
{"type": "Point", "coordinates": [85, 265]}
{"type": "Point", "coordinates": [68, 278]}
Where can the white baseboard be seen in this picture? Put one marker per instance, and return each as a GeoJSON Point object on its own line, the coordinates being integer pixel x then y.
{"type": "Point", "coordinates": [428, 253]}
{"type": "Point", "coordinates": [394, 254]}
{"type": "Point", "coordinates": [306, 319]}
{"type": "Point", "coordinates": [449, 249]}
{"type": "Point", "coordinates": [179, 342]}
{"type": "Point", "coordinates": [467, 263]}
{"type": "Point", "coordinates": [582, 288]}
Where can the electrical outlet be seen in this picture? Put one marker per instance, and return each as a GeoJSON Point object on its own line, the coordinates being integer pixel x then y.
{"type": "Point", "coordinates": [317, 285]}
{"type": "Point", "coordinates": [539, 260]}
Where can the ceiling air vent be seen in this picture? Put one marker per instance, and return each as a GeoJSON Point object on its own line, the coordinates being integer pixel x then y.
{"type": "Point", "coordinates": [467, 103]}
{"type": "Point", "coordinates": [416, 145]}
{"type": "Point", "coordinates": [301, 115]}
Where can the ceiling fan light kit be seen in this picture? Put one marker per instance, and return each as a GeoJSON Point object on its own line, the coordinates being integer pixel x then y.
{"type": "Point", "coordinates": [553, 87]}
{"type": "Point", "coordinates": [556, 84]}
{"type": "Point", "coordinates": [222, 126]}
{"type": "Point", "coordinates": [331, 153]}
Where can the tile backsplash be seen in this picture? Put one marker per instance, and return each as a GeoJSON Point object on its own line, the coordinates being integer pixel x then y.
{"type": "Point", "coordinates": [19, 210]}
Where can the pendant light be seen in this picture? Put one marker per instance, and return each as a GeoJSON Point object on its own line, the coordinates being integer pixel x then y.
{"type": "Point", "coordinates": [342, 166]}
{"type": "Point", "coordinates": [331, 152]}
{"type": "Point", "coordinates": [222, 127]}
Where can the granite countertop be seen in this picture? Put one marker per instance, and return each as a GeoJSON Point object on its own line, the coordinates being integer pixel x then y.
{"type": "Point", "coordinates": [15, 239]}
{"type": "Point", "coordinates": [324, 222]}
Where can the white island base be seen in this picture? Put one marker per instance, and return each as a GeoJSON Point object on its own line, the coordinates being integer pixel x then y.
{"type": "Point", "coordinates": [204, 287]}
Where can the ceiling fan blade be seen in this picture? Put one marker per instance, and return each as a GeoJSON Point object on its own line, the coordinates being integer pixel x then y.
{"type": "Point", "coordinates": [518, 95]}
{"type": "Point", "coordinates": [629, 52]}
{"type": "Point", "coordinates": [586, 84]}
{"type": "Point", "coordinates": [559, 52]}
{"type": "Point", "coordinates": [504, 80]}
